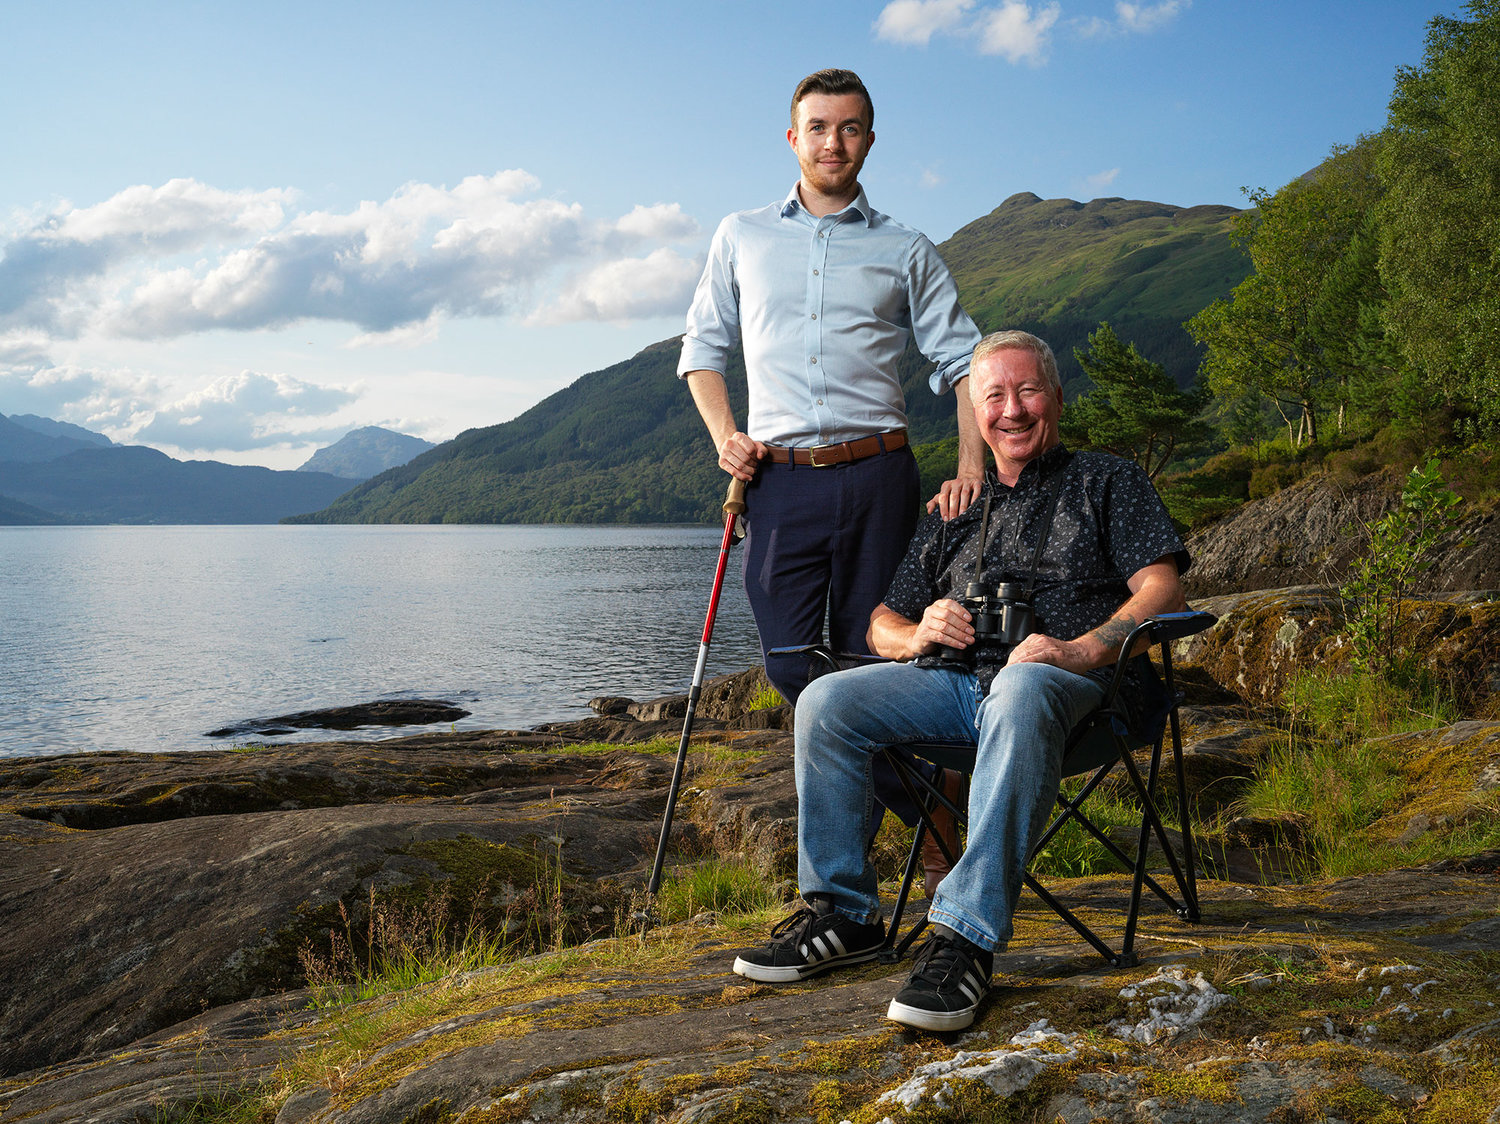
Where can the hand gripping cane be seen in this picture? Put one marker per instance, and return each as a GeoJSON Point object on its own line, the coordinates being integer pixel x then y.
{"type": "Point", "coordinates": [734, 507]}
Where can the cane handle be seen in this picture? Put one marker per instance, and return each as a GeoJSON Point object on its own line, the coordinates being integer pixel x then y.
{"type": "Point", "coordinates": [734, 503]}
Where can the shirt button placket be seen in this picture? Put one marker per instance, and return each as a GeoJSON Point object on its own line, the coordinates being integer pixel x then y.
{"type": "Point", "coordinates": [817, 376]}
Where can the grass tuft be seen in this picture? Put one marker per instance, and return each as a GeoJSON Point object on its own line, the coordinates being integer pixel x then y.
{"type": "Point", "coordinates": [715, 886]}
{"type": "Point", "coordinates": [767, 698]}
{"type": "Point", "coordinates": [1342, 783]}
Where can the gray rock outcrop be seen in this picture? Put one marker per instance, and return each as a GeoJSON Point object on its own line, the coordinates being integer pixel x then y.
{"type": "Point", "coordinates": [1311, 532]}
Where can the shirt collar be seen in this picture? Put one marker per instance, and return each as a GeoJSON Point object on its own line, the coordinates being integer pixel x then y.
{"type": "Point", "coordinates": [1044, 465]}
{"type": "Point", "coordinates": [859, 209]}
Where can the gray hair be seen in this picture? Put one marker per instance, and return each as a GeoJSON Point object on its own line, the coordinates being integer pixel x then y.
{"type": "Point", "coordinates": [1020, 341]}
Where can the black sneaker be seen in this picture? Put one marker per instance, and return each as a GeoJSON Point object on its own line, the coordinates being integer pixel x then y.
{"type": "Point", "coordinates": [947, 984]}
{"type": "Point", "coordinates": [812, 940]}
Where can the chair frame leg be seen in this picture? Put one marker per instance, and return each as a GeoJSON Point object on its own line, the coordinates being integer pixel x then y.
{"type": "Point", "coordinates": [926, 796]}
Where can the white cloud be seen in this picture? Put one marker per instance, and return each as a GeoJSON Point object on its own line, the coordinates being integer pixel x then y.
{"type": "Point", "coordinates": [406, 336]}
{"type": "Point", "coordinates": [931, 179]}
{"type": "Point", "coordinates": [1101, 180]}
{"type": "Point", "coordinates": [246, 411]}
{"type": "Point", "coordinates": [663, 222]}
{"type": "Point", "coordinates": [914, 22]}
{"type": "Point", "coordinates": [112, 402]}
{"type": "Point", "coordinates": [22, 349]}
{"type": "Point", "coordinates": [1133, 19]}
{"type": "Point", "coordinates": [1148, 17]}
{"type": "Point", "coordinates": [394, 269]}
{"type": "Point", "coordinates": [1017, 33]}
{"type": "Point", "coordinates": [83, 289]}
{"type": "Point", "coordinates": [660, 284]}
{"type": "Point", "coordinates": [1013, 29]}
{"type": "Point", "coordinates": [236, 413]}
{"type": "Point", "coordinates": [181, 214]}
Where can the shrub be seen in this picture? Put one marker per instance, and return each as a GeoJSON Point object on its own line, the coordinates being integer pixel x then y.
{"type": "Point", "coordinates": [1400, 550]}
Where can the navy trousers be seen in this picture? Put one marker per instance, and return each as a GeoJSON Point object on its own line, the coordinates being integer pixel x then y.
{"type": "Point", "coordinates": [823, 543]}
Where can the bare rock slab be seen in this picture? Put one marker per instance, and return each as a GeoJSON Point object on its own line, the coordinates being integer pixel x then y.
{"type": "Point", "coordinates": [141, 889]}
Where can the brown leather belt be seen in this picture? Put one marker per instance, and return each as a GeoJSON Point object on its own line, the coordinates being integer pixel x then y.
{"type": "Point", "coordinates": [846, 452]}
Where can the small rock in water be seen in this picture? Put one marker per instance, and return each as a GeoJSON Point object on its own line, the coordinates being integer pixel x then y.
{"type": "Point", "coordinates": [382, 712]}
{"type": "Point", "coordinates": [610, 704]}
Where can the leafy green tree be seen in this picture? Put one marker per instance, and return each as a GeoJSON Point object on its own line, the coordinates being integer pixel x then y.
{"type": "Point", "coordinates": [1272, 335]}
{"type": "Point", "coordinates": [1134, 409]}
{"type": "Point", "coordinates": [1347, 332]}
{"type": "Point", "coordinates": [1440, 218]}
{"type": "Point", "coordinates": [1402, 547]}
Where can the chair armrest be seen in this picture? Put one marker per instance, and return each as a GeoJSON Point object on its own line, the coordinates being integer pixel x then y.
{"type": "Point", "coordinates": [822, 653]}
{"type": "Point", "coordinates": [1160, 629]}
{"type": "Point", "coordinates": [1166, 627]}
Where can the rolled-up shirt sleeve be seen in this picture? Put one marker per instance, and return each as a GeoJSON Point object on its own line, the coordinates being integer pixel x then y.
{"type": "Point", "coordinates": [713, 320]}
{"type": "Point", "coordinates": [943, 331]}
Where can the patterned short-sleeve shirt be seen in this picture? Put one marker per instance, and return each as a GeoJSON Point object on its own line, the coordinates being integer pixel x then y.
{"type": "Point", "coordinates": [1108, 524]}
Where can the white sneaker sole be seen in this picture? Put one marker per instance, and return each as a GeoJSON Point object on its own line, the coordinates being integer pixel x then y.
{"type": "Point", "coordinates": [792, 973]}
{"type": "Point", "coordinates": [930, 1020]}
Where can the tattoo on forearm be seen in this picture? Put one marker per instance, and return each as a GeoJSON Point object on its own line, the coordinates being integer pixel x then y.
{"type": "Point", "coordinates": [1114, 632]}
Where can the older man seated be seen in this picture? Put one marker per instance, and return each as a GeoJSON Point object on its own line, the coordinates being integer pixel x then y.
{"type": "Point", "coordinates": [1088, 536]}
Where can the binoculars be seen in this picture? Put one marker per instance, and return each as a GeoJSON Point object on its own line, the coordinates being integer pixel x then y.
{"type": "Point", "coordinates": [1003, 613]}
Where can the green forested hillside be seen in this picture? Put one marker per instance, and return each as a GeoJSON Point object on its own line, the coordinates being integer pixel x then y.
{"type": "Point", "coordinates": [1060, 268]}
{"type": "Point", "coordinates": [626, 445]}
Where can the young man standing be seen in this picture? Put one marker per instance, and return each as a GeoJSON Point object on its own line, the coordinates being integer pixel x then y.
{"type": "Point", "coordinates": [824, 292]}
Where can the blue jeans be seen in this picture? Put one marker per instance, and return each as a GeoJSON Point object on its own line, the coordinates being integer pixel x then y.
{"type": "Point", "coordinates": [1019, 729]}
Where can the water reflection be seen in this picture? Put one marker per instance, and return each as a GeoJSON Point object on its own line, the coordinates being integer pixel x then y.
{"type": "Point", "coordinates": [142, 638]}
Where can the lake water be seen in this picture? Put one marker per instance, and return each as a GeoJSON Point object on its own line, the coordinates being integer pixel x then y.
{"type": "Point", "coordinates": [144, 638]}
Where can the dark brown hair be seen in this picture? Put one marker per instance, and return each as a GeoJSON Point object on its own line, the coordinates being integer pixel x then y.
{"type": "Point", "coordinates": [833, 82]}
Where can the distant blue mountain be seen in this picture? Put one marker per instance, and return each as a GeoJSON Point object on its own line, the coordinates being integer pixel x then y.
{"type": "Point", "coordinates": [13, 513]}
{"type": "Point", "coordinates": [52, 428]}
{"type": "Point", "coordinates": [363, 453]}
{"type": "Point", "coordinates": [134, 484]}
{"type": "Point", "coordinates": [22, 442]}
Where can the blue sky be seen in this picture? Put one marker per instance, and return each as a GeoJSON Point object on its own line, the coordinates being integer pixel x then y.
{"type": "Point", "coordinates": [237, 232]}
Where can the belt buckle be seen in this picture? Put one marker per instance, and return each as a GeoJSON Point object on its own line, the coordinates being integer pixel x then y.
{"type": "Point", "coordinates": [834, 450]}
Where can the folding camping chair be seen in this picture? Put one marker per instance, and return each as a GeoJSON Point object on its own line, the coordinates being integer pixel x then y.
{"type": "Point", "coordinates": [1096, 747]}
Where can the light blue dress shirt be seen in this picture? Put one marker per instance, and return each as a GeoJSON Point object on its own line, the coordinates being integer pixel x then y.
{"type": "Point", "coordinates": [824, 307]}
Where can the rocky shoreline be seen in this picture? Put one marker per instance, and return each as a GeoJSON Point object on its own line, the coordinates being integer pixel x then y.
{"type": "Point", "coordinates": [159, 909]}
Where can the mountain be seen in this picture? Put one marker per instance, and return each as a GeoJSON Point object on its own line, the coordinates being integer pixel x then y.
{"type": "Point", "coordinates": [361, 453]}
{"type": "Point", "coordinates": [13, 513]}
{"type": "Point", "coordinates": [625, 444]}
{"type": "Point", "coordinates": [52, 428]}
{"type": "Point", "coordinates": [622, 445]}
{"type": "Point", "coordinates": [20, 441]}
{"type": "Point", "coordinates": [134, 484]}
{"type": "Point", "coordinates": [1060, 268]}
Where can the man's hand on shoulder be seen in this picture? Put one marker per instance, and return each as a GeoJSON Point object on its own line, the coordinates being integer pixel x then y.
{"type": "Point", "coordinates": [955, 496]}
